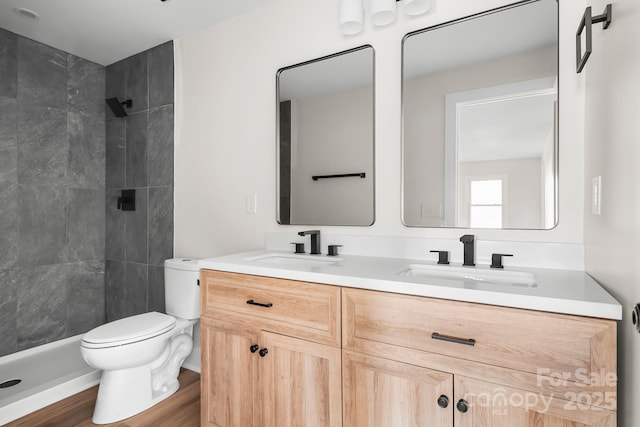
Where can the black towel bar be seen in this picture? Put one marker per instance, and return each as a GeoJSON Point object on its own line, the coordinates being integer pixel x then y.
{"type": "Point", "coordinates": [342, 175]}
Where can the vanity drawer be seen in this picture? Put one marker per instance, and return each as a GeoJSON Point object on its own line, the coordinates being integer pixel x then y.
{"type": "Point", "coordinates": [536, 342]}
{"type": "Point", "coordinates": [299, 309]}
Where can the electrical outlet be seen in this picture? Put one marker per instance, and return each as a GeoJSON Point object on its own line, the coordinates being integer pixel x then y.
{"type": "Point", "coordinates": [251, 203]}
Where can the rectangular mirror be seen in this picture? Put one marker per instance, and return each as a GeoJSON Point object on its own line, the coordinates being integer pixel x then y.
{"type": "Point", "coordinates": [479, 120]}
{"type": "Point", "coordinates": [325, 142]}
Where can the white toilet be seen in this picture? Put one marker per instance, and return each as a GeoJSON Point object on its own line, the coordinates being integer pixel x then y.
{"type": "Point", "coordinates": [141, 355]}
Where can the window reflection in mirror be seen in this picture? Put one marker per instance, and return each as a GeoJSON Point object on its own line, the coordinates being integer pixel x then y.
{"type": "Point", "coordinates": [325, 140]}
{"type": "Point", "coordinates": [479, 105]}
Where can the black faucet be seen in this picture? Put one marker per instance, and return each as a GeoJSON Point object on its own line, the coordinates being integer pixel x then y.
{"type": "Point", "coordinates": [468, 240]}
{"type": "Point", "coordinates": [315, 240]}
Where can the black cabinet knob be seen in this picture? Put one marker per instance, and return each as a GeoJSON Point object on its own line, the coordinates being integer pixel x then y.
{"type": "Point", "coordinates": [462, 406]}
{"type": "Point", "coordinates": [254, 348]}
{"type": "Point", "coordinates": [263, 352]}
{"type": "Point", "coordinates": [443, 401]}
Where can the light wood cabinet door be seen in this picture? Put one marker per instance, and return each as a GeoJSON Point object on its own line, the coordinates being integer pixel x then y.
{"type": "Point", "coordinates": [381, 393]}
{"type": "Point", "coordinates": [493, 405]}
{"type": "Point", "coordinates": [301, 383]}
{"type": "Point", "coordinates": [253, 378]}
{"type": "Point", "coordinates": [229, 375]}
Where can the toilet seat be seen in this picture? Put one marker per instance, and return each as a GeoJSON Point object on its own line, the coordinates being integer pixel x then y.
{"type": "Point", "coordinates": [129, 330]}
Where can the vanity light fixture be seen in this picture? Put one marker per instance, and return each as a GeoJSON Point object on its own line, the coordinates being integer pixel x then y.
{"type": "Point", "coordinates": [351, 16]}
{"type": "Point", "coordinates": [26, 13]}
{"type": "Point", "coordinates": [383, 12]}
{"type": "Point", "coordinates": [416, 7]}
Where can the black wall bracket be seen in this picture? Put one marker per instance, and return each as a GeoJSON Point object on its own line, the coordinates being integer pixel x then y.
{"type": "Point", "coordinates": [585, 25]}
{"type": "Point", "coordinates": [127, 200]}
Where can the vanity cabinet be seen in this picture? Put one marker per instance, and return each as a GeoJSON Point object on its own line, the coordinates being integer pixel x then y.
{"type": "Point", "coordinates": [287, 353]}
{"type": "Point", "coordinates": [495, 366]}
{"type": "Point", "coordinates": [270, 352]}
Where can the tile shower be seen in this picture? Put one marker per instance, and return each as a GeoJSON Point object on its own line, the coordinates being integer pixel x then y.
{"type": "Point", "coordinates": [68, 259]}
{"type": "Point", "coordinates": [139, 155]}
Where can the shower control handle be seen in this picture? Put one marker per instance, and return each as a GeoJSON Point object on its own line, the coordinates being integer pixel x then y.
{"type": "Point", "coordinates": [127, 200]}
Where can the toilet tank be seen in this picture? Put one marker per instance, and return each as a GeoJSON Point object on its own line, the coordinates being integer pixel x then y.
{"type": "Point", "coordinates": [182, 288]}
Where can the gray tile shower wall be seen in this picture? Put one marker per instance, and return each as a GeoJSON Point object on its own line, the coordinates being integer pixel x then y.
{"type": "Point", "coordinates": [52, 194]}
{"type": "Point", "coordinates": [139, 155]}
{"type": "Point", "coordinates": [8, 181]}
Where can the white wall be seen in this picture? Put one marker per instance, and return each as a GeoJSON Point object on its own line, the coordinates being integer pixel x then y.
{"type": "Point", "coordinates": [328, 140]}
{"type": "Point", "coordinates": [226, 118]}
{"type": "Point", "coordinates": [612, 150]}
{"type": "Point", "coordinates": [225, 139]}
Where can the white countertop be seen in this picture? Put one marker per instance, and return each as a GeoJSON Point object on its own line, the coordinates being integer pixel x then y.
{"type": "Point", "coordinates": [558, 291]}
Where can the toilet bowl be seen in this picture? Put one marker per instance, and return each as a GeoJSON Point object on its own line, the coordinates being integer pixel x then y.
{"type": "Point", "coordinates": [141, 355]}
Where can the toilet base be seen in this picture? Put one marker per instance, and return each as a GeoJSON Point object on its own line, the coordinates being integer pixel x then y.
{"type": "Point", "coordinates": [125, 393]}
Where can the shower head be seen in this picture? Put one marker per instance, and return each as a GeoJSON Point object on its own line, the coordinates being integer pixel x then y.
{"type": "Point", "coordinates": [117, 106]}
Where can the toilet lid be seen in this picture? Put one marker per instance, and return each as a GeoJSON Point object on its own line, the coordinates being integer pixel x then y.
{"type": "Point", "coordinates": [130, 329]}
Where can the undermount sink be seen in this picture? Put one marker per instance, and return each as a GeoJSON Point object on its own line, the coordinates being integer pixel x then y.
{"type": "Point", "coordinates": [294, 260]}
{"type": "Point", "coordinates": [470, 274]}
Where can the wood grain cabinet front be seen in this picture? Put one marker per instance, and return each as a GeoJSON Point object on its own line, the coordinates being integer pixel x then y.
{"type": "Point", "coordinates": [280, 353]}
{"type": "Point", "coordinates": [509, 367]}
{"type": "Point", "coordinates": [305, 310]}
{"type": "Point", "coordinates": [269, 365]}
{"type": "Point", "coordinates": [489, 404]}
{"type": "Point", "coordinates": [229, 377]}
{"type": "Point", "coordinates": [381, 392]}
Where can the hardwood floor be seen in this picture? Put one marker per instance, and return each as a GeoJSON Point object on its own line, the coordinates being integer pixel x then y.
{"type": "Point", "coordinates": [180, 410]}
